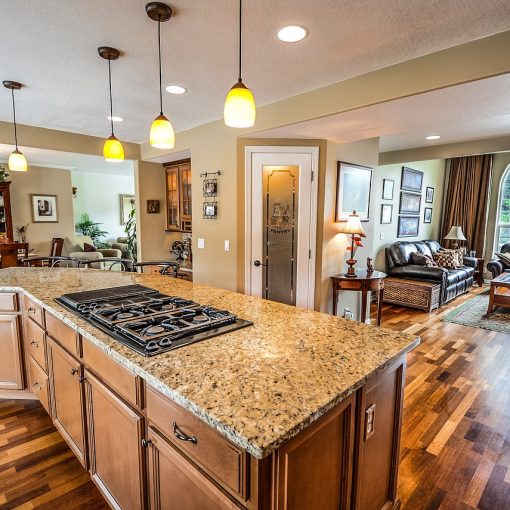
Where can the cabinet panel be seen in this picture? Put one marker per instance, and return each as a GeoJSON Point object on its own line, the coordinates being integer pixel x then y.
{"type": "Point", "coordinates": [178, 196]}
{"type": "Point", "coordinates": [11, 372]}
{"type": "Point", "coordinates": [116, 457]}
{"type": "Point", "coordinates": [35, 312]}
{"type": "Point", "coordinates": [35, 342]}
{"type": "Point", "coordinates": [176, 484]}
{"type": "Point", "coordinates": [65, 336]}
{"type": "Point", "coordinates": [67, 398]}
{"type": "Point", "coordinates": [39, 384]}
{"type": "Point", "coordinates": [314, 468]}
{"type": "Point", "coordinates": [8, 302]}
{"type": "Point", "coordinates": [173, 221]}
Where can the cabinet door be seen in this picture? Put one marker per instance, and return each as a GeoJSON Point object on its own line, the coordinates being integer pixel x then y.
{"type": "Point", "coordinates": [177, 484]}
{"type": "Point", "coordinates": [115, 439]}
{"type": "Point", "coordinates": [67, 398]}
{"type": "Point", "coordinates": [173, 221]}
{"type": "Point", "coordinates": [185, 179]}
{"type": "Point", "coordinates": [11, 373]}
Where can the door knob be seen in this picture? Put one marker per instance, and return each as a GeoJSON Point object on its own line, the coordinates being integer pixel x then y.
{"type": "Point", "coordinates": [257, 263]}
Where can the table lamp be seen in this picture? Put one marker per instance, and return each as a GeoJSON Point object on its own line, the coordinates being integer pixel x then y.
{"type": "Point", "coordinates": [353, 227]}
{"type": "Point", "coordinates": [456, 234]}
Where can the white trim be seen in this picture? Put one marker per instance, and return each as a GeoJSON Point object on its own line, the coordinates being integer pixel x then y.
{"type": "Point", "coordinates": [497, 223]}
{"type": "Point", "coordinates": [249, 151]}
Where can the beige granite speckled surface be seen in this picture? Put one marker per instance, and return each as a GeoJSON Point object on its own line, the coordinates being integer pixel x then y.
{"type": "Point", "coordinates": [258, 386]}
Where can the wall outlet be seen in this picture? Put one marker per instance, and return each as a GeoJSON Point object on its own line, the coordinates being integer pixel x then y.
{"type": "Point", "coordinates": [381, 235]}
{"type": "Point", "coordinates": [201, 243]}
{"type": "Point", "coordinates": [227, 245]}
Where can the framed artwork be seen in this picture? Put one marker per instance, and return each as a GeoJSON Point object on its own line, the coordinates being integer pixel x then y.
{"type": "Point", "coordinates": [352, 191]}
{"type": "Point", "coordinates": [127, 204]}
{"type": "Point", "coordinates": [408, 226]}
{"type": "Point", "coordinates": [386, 213]}
{"type": "Point", "coordinates": [210, 210]}
{"type": "Point", "coordinates": [388, 185]}
{"type": "Point", "coordinates": [410, 203]}
{"type": "Point", "coordinates": [152, 206]}
{"type": "Point", "coordinates": [429, 195]}
{"type": "Point", "coordinates": [44, 208]}
{"type": "Point", "coordinates": [210, 187]}
{"type": "Point", "coordinates": [427, 216]}
{"type": "Point", "coordinates": [412, 180]}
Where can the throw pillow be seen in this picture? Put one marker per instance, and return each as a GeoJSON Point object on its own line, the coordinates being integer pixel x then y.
{"type": "Point", "coordinates": [89, 247]}
{"type": "Point", "coordinates": [458, 256]}
{"type": "Point", "coordinates": [504, 257]}
{"type": "Point", "coordinates": [446, 259]}
{"type": "Point", "coordinates": [421, 259]}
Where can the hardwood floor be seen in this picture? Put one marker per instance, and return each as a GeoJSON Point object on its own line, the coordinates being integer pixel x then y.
{"type": "Point", "coordinates": [455, 440]}
{"type": "Point", "coordinates": [37, 469]}
{"type": "Point", "coordinates": [455, 450]}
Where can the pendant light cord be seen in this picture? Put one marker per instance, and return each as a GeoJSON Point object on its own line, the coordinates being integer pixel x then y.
{"type": "Point", "coordinates": [240, 39]}
{"type": "Point", "coordinates": [14, 114]}
{"type": "Point", "coordinates": [159, 53]}
{"type": "Point", "coordinates": [110, 85]}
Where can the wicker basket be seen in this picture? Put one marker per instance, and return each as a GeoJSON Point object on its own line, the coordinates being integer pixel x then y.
{"type": "Point", "coordinates": [412, 293]}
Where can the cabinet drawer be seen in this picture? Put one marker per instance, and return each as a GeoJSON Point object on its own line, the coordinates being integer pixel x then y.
{"type": "Point", "coordinates": [63, 334]}
{"type": "Point", "coordinates": [222, 460]}
{"type": "Point", "coordinates": [123, 382]}
{"type": "Point", "coordinates": [8, 302]}
{"type": "Point", "coordinates": [35, 343]}
{"type": "Point", "coordinates": [35, 312]}
{"type": "Point", "coordinates": [39, 383]}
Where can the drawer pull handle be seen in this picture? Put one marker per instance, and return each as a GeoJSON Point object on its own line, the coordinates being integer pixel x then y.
{"type": "Point", "coordinates": [37, 386]}
{"type": "Point", "coordinates": [183, 437]}
{"type": "Point", "coordinates": [146, 442]}
{"type": "Point", "coordinates": [33, 343]}
{"type": "Point", "coordinates": [74, 371]}
{"type": "Point", "coordinates": [31, 310]}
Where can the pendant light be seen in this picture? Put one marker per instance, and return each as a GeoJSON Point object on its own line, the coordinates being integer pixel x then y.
{"type": "Point", "coordinates": [17, 161]}
{"type": "Point", "coordinates": [162, 135]}
{"type": "Point", "coordinates": [240, 111]}
{"type": "Point", "coordinates": [112, 148]}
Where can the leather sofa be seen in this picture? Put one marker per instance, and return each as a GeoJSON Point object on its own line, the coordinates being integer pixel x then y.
{"type": "Point", "coordinates": [497, 266]}
{"type": "Point", "coordinates": [453, 281]}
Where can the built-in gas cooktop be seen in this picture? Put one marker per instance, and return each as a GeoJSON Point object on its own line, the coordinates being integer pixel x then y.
{"type": "Point", "coordinates": [147, 321]}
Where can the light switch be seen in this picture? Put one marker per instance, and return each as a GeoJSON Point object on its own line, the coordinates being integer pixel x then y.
{"type": "Point", "coordinates": [227, 245]}
{"type": "Point", "coordinates": [201, 243]}
{"type": "Point", "coordinates": [381, 235]}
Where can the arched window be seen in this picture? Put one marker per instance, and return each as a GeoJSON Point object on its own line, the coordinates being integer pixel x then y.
{"type": "Point", "coordinates": [503, 219]}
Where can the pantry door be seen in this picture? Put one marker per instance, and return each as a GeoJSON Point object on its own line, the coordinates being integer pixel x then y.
{"type": "Point", "coordinates": [280, 216]}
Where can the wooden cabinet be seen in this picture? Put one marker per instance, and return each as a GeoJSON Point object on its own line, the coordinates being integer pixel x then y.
{"type": "Point", "coordinates": [176, 484]}
{"type": "Point", "coordinates": [11, 361]}
{"type": "Point", "coordinates": [178, 196]}
{"type": "Point", "coordinates": [67, 397]}
{"type": "Point", "coordinates": [117, 461]}
{"type": "Point", "coordinates": [6, 232]}
{"type": "Point", "coordinates": [39, 385]}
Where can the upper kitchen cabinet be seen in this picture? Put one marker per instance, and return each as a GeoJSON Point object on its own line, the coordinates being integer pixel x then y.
{"type": "Point", "coordinates": [6, 232]}
{"type": "Point", "coordinates": [178, 196]}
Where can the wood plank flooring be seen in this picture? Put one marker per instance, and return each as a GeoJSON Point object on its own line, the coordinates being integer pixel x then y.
{"type": "Point", "coordinates": [37, 469]}
{"type": "Point", "coordinates": [455, 440]}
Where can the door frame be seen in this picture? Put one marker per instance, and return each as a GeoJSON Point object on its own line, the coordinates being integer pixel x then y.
{"type": "Point", "coordinates": [249, 151]}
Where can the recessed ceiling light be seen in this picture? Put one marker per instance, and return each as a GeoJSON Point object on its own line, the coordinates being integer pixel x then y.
{"type": "Point", "coordinates": [176, 89]}
{"type": "Point", "coordinates": [292, 33]}
{"type": "Point", "coordinates": [432, 137]}
{"type": "Point", "coordinates": [115, 118]}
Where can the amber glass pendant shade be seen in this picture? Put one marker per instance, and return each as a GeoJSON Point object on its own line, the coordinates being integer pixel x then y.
{"type": "Point", "coordinates": [113, 150]}
{"type": "Point", "coordinates": [162, 135]}
{"type": "Point", "coordinates": [17, 162]}
{"type": "Point", "coordinates": [239, 110]}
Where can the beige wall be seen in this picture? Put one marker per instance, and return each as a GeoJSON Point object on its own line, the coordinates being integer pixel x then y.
{"type": "Point", "coordinates": [49, 181]}
{"type": "Point", "coordinates": [434, 174]}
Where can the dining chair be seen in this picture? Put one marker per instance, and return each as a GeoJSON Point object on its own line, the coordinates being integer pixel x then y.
{"type": "Point", "coordinates": [164, 267]}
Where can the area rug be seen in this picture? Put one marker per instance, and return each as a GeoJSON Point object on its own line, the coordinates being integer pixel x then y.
{"type": "Point", "coordinates": [471, 313]}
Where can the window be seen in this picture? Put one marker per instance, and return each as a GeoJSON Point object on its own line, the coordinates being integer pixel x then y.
{"type": "Point", "coordinates": [503, 219]}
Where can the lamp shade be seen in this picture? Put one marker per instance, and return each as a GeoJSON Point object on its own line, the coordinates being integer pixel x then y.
{"type": "Point", "coordinates": [162, 135]}
{"type": "Point", "coordinates": [239, 110]}
{"type": "Point", "coordinates": [113, 150]}
{"type": "Point", "coordinates": [17, 162]}
{"type": "Point", "coordinates": [353, 225]}
{"type": "Point", "coordinates": [456, 234]}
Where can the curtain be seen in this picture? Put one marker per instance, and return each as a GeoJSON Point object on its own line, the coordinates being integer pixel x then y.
{"type": "Point", "coordinates": [467, 199]}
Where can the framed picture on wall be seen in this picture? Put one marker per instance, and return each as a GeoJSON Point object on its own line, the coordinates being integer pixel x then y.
{"type": "Point", "coordinates": [412, 180]}
{"type": "Point", "coordinates": [127, 204]}
{"type": "Point", "coordinates": [408, 226]}
{"type": "Point", "coordinates": [386, 213]}
{"type": "Point", "coordinates": [388, 185]}
{"type": "Point", "coordinates": [44, 208]}
{"type": "Point", "coordinates": [152, 206]}
{"type": "Point", "coordinates": [429, 195]}
{"type": "Point", "coordinates": [427, 215]}
{"type": "Point", "coordinates": [410, 203]}
{"type": "Point", "coordinates": [352, 191]}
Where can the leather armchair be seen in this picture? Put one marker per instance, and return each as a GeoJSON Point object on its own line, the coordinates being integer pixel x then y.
{"type": "Point", "coordinates": [497, 266]}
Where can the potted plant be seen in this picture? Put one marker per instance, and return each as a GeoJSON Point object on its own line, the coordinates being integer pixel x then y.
{"type": "Point", "coordinates": [3, 174]}
{"type": "Point", "coordinates": [22, 233]}
{"type": "Point", "coordinates": [130, 230]}
{"type": "Point", "coordinates": [87, 227]}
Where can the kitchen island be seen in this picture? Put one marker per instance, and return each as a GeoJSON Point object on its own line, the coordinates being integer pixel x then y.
{"type": "Point", "coordinates": [300, 410]}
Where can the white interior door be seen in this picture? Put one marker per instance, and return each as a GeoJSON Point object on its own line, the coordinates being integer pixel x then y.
{"type": "Point", "coordinates": [281, 194]}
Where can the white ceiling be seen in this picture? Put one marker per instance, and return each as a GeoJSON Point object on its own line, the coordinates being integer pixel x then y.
{"type": "Point", "coordinates": [466, 112]}
{"type": "Point", "coordinates": [50, 46]}
{"type": "Point", "coordinates": [69, 161]}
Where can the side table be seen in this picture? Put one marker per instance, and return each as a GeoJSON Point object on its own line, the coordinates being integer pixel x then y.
{"type": "Point", "coordinates": [480, 263]}
{"type": "Point", "coordinates": [363, 282]}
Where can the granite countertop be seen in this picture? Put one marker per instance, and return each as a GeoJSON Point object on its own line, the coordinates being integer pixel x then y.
{"type": "Point", "coordinates": [258, 386]}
